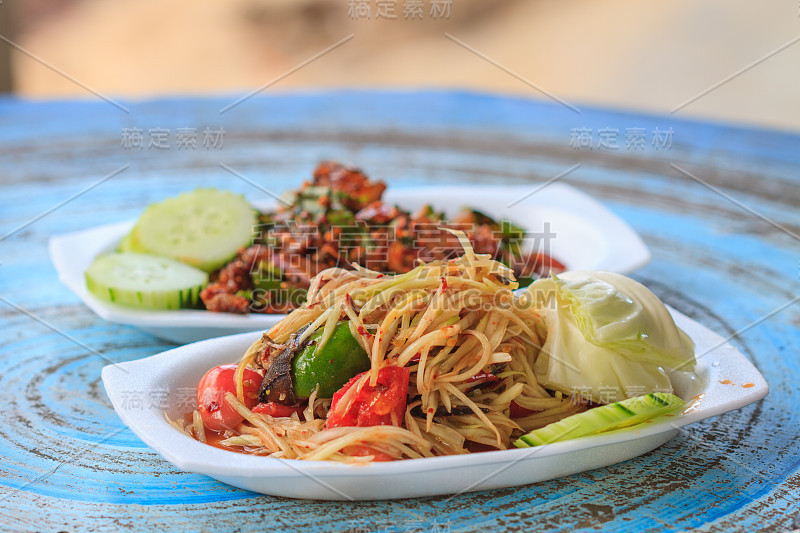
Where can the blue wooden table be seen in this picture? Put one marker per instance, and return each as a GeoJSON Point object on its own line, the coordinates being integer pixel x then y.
{"type": "Point", "coordinates": [719, 207]}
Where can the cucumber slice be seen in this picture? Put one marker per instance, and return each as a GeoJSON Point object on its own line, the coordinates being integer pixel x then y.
{"type": "Point", "coordinates": [204, 228]}
{"type": "Point", "coordinates": [146, 281]}
{"type": "Point", "coordinates": [129, 244]}
{"type": "Point", "coordinates": [604, 418]}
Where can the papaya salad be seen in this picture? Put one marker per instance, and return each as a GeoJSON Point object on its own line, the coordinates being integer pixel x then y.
{"type": "Point", "coordinates": [444, 359]}
{"type": "Point", "coordinates": [212, 250]}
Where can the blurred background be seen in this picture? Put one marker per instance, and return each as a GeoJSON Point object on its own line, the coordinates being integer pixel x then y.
{"type": "Point", "coordinates": [728, 60]}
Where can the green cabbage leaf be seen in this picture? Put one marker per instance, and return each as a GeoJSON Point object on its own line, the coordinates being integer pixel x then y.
{"type": "Point", "coordinates": [607, 337]}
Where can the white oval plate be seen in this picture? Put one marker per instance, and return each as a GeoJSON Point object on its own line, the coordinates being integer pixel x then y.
{"type": "Point", "coordinates": [141, 391]}
{"type": "Point", "coordinates": [587, 237]}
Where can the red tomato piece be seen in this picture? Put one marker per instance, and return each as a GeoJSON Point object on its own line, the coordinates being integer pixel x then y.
{"type": "Point", "coordinates": [217, 414]}
{"type": "Point", "coordinates": [361, 450]}
{"type": "Point", "coordinates": [277, 410]}
{"type": "Point", "coordinates": [545, 264]}
{"type": "Point", "coordinates": [517, 411]}
{"type": "Point", "coordinates": [381, 405]}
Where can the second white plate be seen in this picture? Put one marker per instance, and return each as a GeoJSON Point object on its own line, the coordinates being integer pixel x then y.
{"type": "Point", "coordinates": [579, 232]}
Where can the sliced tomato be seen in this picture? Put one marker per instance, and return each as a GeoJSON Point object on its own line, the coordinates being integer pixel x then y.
{"type": "Point", "coordinates": [381, 405]}
{"type": "Point", "coordinates": [544, 264]}
{"type": "Point", "coordinates": [277, 410]}
{"type": "Point", "coordinates": [360, 450]}
{"type": "Point", "coordinates": [535, 265]}
{"type": "Point", "coordinates": [217, 414]}
{"type": "Point", "coordinates": [517, 411]}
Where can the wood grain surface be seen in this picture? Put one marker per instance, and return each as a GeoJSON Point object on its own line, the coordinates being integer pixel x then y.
{"type": "Point", "coordinates": [719, 208]}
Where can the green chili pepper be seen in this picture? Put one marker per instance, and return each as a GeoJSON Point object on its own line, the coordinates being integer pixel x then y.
{"type": "Point", "coordinates": [267, 276]}
{"type": "Point", "coordinates": [524, 281]}
{"type": "Point", "coordinates": [331, 365]}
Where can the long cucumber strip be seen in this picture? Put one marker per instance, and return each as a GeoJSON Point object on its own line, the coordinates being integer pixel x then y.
{"type": "Point", "coordinates": [145, 281]}
{"type": "Point", "coordinates": [204, 228]}
{"type": "Point", "coordinates": [609, 417]}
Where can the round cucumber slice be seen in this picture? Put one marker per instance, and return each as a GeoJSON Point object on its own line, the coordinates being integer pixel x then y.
{"type": "Point", "coordinates": [616, 415]}
{"type": "Point", "coordinates": [146, 281]}
{"type": "Point", "coordinates": [128, 244]}
{"type": "Point", "coordinates": [204, 228]}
